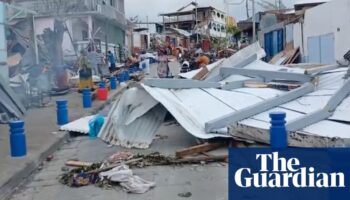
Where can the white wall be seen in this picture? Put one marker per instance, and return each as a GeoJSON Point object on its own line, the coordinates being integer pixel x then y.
{"type": "Point", "coordinates": [297, 36]}
{"type": "Point", "coordinates": [332, 17]}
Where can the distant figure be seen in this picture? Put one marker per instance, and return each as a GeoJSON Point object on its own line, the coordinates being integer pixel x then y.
{"type": "Point", "coordinates": [92, 56]}
{"type": "Point", "coordinates": [203, 61]}
{"type": "Point", "coordinates": [111, 60]}
{"type": "Point", "coordinates": [100, 61]}
{"type": "Point", "coordinates": [163, 67]}
{"type": "Point", "coordinates": [85, 71]}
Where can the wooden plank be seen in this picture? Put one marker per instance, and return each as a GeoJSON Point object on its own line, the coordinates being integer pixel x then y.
{"type": "Point", "coordinates": [199, 159]}
{"type": "Point", "coordinates": [198, 149]}
{"type": "Point", "coordinates": [201, 74]}
{"type": "Point", "coordinates": [74, 163]}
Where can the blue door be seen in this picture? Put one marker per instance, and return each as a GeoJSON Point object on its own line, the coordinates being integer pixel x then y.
{"type": "Point", "coordinates": [274, 43]}
{"type": "Point", "coordinates": [321, 49]}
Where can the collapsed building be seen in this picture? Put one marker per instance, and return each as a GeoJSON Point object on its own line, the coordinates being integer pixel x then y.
{"type": "Point", "coordinates": [233, 98]}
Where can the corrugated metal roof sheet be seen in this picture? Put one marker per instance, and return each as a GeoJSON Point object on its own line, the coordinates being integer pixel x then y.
{"type": "Point", "coordinates": [193, 108]}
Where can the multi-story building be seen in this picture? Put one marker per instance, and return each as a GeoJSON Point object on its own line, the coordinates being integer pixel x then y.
{"type": "Point", "coordinates": [207, 21]}
{"type": "Point", "coordinates": [101, 21]}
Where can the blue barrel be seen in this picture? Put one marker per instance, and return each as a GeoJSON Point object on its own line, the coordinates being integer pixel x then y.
{"type": "Point", "coordinates": [113, 81]}
{"type": "Point", "coordinates": [87, 100]}
{"type": "Point", "coordinates": [17, 139]}
{"type": "Point", "coordinates": [278, 132]}
{"type": "Point", "coordinates": [62, 112]}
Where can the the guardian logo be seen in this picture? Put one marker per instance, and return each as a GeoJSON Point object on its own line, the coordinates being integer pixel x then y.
{"type": "Point", "coordinates": [279, 172]}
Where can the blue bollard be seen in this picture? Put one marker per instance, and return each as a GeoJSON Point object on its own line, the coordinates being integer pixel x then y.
{"type": "Point", "coordinates": [102, 84]}
{"type": "Point", "coordinates": [120, 77]}
{"type": "Point", "coordinates": [17, 139]}
{"type": "Point", "coordinates": [87, 100]}
{"type": "Point", "coordinates": [278, 132]}
{"type": "Point", "coordinates": [127, 77]}
{"type": "Point", "coordinates": [113, 81]}
{"type": "Point", "coordinates": [62, 112]}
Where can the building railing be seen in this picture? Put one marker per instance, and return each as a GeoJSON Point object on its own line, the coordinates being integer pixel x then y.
{"type": "Point", "coordinates": [179, 18]}
{"type": "Point", "coordinates": [51, 7]}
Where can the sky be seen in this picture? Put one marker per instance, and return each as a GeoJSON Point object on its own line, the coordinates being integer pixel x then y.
{"type": "Point", "coordinates": [152, 8]}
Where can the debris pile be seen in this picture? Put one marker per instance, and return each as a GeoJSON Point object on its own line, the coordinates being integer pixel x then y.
{"type": "Point", "coordinates": [117, 169]}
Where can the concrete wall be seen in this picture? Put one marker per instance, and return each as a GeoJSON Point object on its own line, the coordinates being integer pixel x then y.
{"type": "Point", "coordinates": [332, 17]}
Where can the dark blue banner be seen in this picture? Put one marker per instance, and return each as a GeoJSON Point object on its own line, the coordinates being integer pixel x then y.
{"type": "Point", "coordinates": [289, 174]}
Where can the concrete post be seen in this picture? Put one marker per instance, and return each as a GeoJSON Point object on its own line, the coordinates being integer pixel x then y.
{"type": "Point", "coordinates": [4, 71]}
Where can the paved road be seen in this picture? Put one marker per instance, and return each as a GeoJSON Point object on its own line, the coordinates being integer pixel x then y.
{"type": "Point", "coordinates": [205, 182]}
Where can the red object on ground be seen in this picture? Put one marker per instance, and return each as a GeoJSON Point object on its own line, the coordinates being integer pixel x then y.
{"type": "Point", "coordinates": [102, 94]}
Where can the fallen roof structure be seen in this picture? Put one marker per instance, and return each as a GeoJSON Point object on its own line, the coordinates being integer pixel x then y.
{"type": "Point", "coordinates": [317, 109]}
{"type": "Point", "coordinates": [10, 105]}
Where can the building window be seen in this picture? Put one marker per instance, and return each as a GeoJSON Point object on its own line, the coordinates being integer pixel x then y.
{"type": "Point", "coordinates": [222, 28]}
{"type": "Point", "coordinates": [85, 35]}
{"type": "Point", "coordinates": [218, 14]}
{"type": "Point", "coordinates": [222, 16]}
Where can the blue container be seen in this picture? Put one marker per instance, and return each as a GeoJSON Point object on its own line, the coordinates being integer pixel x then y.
{"type": "Point", "coordinates": [17, 139]}
{"type": "Point", "coordinates": [113, 83]}
{"type": "Point", "coordinates": [126, 76]}
{"type": "Point", "coordinates": [102, 84]}
{"type": "Point", "coordinates": [62, 112]}
{"type": "Point", "coordinates": [120, 77]}
{"type": "Point", "coordinates": [87, 100]}
{"type": "Point", "coordinates": [278, 132]}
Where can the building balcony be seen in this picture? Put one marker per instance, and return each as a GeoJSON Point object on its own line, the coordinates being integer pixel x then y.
{"type": "Point", "coordinates": [182, 18]}
{"type": "Point", "coordinates": [75, 7]}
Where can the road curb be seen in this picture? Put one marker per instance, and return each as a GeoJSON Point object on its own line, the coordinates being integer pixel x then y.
{"type": "Point", "coordinates": [7, 189]}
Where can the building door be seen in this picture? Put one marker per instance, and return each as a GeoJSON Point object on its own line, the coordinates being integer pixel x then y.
{"type": "Point", "coordinates": [274, 43]}
{"type": "Point", "coordinates": [321, 49]}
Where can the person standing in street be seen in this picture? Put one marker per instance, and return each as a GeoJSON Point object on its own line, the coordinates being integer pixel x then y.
{"type": "Point", "coordinates": [111, 60]}
{"type": "Point", "coordinates": [92, 56]}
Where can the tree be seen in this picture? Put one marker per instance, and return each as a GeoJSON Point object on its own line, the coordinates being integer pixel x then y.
{"type": "Point", "coordinates": [233, 31]}
{"type": "Point", "coordinates": [53, 38]}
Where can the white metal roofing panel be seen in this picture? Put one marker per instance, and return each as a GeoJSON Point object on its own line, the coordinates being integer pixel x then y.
{"type": "Point", "coordinates": [234, 100]}
{"type": "Point", "coordinates": [201, 104]}
{"type": "Point", "coordinates": [328, 128]}
{"type": "Point", "coordinates": [342, 113]}
{"type": "Point", "coordinates": [332, 80]}
{"type": "Point", "coordinates": [262, 93]}
{"type": "Point", "coordinates": [80, 125]}
{"type": "Point", "coordinates": [307, 104]}
{"type": "Point", "coordinates": [191, 118]}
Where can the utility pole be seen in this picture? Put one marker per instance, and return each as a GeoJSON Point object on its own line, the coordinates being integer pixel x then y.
{"type": "Point", "coordinates": [196, 20]}
{"type": "Point", "coordinates": [247, 8]}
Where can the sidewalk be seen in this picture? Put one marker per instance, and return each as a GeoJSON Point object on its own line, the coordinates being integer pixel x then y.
{"type": "Point", "coordinates": [43, 139]}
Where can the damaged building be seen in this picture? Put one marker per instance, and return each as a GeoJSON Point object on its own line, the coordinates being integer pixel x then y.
{"type": "Point", "coordinates": [233, 98]}
{"type": "Point", "coordinates": [85, 21]}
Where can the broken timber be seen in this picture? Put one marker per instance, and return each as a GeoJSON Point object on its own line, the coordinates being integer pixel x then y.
{"type": "Point", "coordinates": [234, 117]}
{"type": "Point", "coordinates": [180, 83]}
{"type": "Point", "coordinates": [197, 149]}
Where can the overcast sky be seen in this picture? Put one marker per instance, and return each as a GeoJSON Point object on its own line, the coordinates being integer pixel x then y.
{"type": "Point", "coordinates": [152, 8]}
